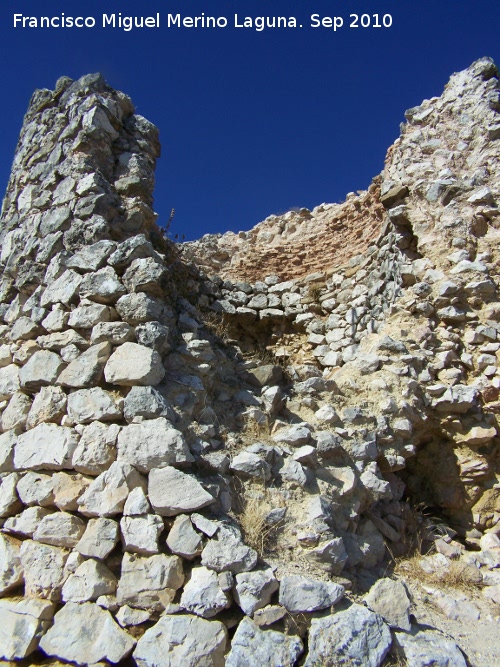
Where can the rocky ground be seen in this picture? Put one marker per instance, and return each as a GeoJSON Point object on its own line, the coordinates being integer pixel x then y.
{"type": "Point", "coordinates": [214, 463]}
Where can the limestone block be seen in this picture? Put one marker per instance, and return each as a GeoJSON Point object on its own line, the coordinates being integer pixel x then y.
{"type": "Point", "coordinates": [88, 315]}
{"type": "Point", "coordinates": [41, 370]}
{"type": "Point", "coordinates": [107, 494]}
{"type": "Point", "coordinates": [94, 635]}
{"type": "Point", "coordinates": [253, 590]}
{"type": "Point", "coordinates": [36, 489]}
{"type": "Point", "coordinates": [11, 571]}
{"type": "Point", "coordinates": [68, 487]}
{"type": "Point", "coordinates": [173, 492]}
{"type": "Point", "coordinates": [227, 552]}
{"type": "Point", "coordinates": [7, 443]}
{"type": "Point", "coordinates": [91, 257]}
{"type": "Point", "coordinates": [138, 308]}
{"type": "Point", "coordinates": [26, 523]}
{"type": "Point", "coordinates": [133, 364]}
{"type": "Point", "coordinates": [87, 369]}
{"type": "Point", "coordinates": [23, 623]}
{"type": "Point", "coordinates": [202, 595]}
{"type": "Point", "coordinates": [356, 634]}
{"type": "Point", "coordinates": [390, 599]}
{"type": "Point", "coordinates": [44, 572]}
{"type": "Point", "coordinates": [115, 333]}
{"type": "Point", "coordinates": [182, 538]}
{"type": "Point", "coordinates": [140, 534]}
{"type": "Point", "coordinates": [427, 647]}
{"type": "Point", "coordinates": [9, 500]}
{"type": "Point", "coordinates": [182, 640]}
{"type": "Point", "coordinates": [47, 446]}
{"type": "Point", "coordinates": [145, 275]}
{"type": "Point", "coordinates": [153, 444]}
{"type": "Point", "coordinates": [9, 381]}
{"type": "Point", "coordinates": [63, 290]}
{"type": "Point", "coordinates": [103, 286]}
{"type": "Point", "coordinates": [149, 582]}
{"type": "Point", "coordinates": [303, 594]}
{"type": "Point", "coordinates": [88, 405]}
{"type": "Point", "coordinates": [90, 580]}
{"type": "Point", "coordinates": [16, 413]}
{"type": "Point", "coordinates": [251, 645]}
{"type": "Point", "coordinates": [99, 539]}
{"type": "Point", "coordinates": [146, 402]}
{"type": "Point", "coordinates": [96, 449]}
{"type": "Point", "coordinates": [60, 529]}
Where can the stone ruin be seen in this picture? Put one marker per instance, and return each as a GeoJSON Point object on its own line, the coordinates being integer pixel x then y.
{"type": "Point", "coordinates": [209, 452]}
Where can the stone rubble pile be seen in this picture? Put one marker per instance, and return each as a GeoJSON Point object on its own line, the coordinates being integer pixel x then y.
{"type": "Point", "coordinates": [135, 439]}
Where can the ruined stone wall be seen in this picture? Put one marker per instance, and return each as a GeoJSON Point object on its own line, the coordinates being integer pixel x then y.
{"type": "Point", "coordinates": [194, 470]}
{"type": "Point", "coordinates": [295, 244]}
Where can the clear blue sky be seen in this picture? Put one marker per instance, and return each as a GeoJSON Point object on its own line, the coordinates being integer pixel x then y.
{"type": "Point", "coordinates": [252, 123]}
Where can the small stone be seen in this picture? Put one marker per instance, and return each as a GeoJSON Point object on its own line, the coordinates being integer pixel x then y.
{"type": "Point", "coordinates": [295, 435]}
{"type": "Point", "coordinates": [248, 464]}
{"type": "Point", "coordinates": [127, 616]}
{"type": "Point", "coordinates": [136, 503]}
{"type": "Point", "coordinates": [390, 599]}
{"type": "Point", "coordinates": [183, 540]}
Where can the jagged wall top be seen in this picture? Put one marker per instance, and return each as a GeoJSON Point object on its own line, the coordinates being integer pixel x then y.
{"type": "Point", "coordinates": [83, 171]}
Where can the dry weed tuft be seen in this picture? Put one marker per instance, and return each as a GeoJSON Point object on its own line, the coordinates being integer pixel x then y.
{"type": "Point", "coordinates": [457, 576]}
{"type": "Point", "coordinates": [254, 506]}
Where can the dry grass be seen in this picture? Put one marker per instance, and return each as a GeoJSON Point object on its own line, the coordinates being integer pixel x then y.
{"type": "Point", "coordinates": [314, 292]}
{"type": "Point", "coordinates": [254, 505]}
{"type": "Point", "coordinates": [457, 576]}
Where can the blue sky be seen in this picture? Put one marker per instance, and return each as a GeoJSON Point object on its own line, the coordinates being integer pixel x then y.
{"type": "Point", "coordinates": [252, 123]}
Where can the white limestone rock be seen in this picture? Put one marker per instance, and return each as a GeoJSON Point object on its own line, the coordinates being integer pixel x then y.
{"type": "Point", "coordinates": [355, 635]}
{"type": "Point", "coordinates": [115, 333]}
{"type": "Point", "coordinates": [60, 529]}
{"type": "Point", "coordinates": [138, 308]}
{"type": "Point", "coordinates": [253, 590]}
{"type": "Point", "coordinates": [42, 369]}
{"type": "Point", "coordinates": [227, 552]}
{"type": "Point", "coordinates": [49, 405]}
{"type": "Point", "coordinates": [134, 364]}
{"type": "Point", "coordinates": [183, 539]}
{"type": "Point", "coordinates": [44, 571]}
{"type": "Point", "coordinates": [146, 402]}
{"type": "Point", "coordinates": [99, 539]}
{"type": "Point", "coordinates": [184, 640]}
{"type": "Point", "coordinates": [88, 405]}
{"type": "Point", "coordinates": [91, 257]}
{"type": "Point", "coordinates": [96, 449]}
{"type": "Point", "coordinates": [87, 369]}
{"type": "Point", "coordinates": [102, 286]}
{"type": "Point", "coordinates": [173, 492]}
{"type": "Point", "coordinates": [89, 314]}
{"type": "Point", "coordinates": [422, 648]}
{"type": "Point", "coordinates": [90, 580]}
{"type": "Point", "coordinates": [68, 487]}
{"type": "Point", "coordinates": [248, 464]}
{"type": "Point", "coordinates": [94, 635]}
{"type": "Point", "coordinates": [8, 441]}
{"type": "Point", "coordinates": [23, 623]}
{"type": "Point", "coordinates": [47, 446]}
{"type": "Point", "coordinates": [149, 582]}
{"type": "Point", "coordinates": [11, 571]}
{"type": "Point", "coordinates": [202, 595]}
{"type": "Point", "coordinates": [303, 594]}
{"type": "Point", "coordinates": [9, 499]}
{"type": "Point", "coordinates": [16, 413]}
{"type": "Point", "coordinates": [153, 444]}
{"type": "Point", "coordinates": [253, 646]}
{"type": "Point", "coordinates": [36, 488]}
{"type": "Point", "coordinates": [27, 522]}
{"type": "Point", "coordinates": [390, 599]}
{"type": "Point", "coordinates": [107, 494]}
{"type": "Point", "coordinates": [62, 290]}
{"type": "Point", "coordinates": [9, 381]}
{"type": "Point", "coordinates": [127, 616]}
{"type": "Point", "coordinates": [140, 534]}
{"type": "Point", "coordinates": [295, 435]}
{"type": "Point", "coordinates": [137, 503]}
